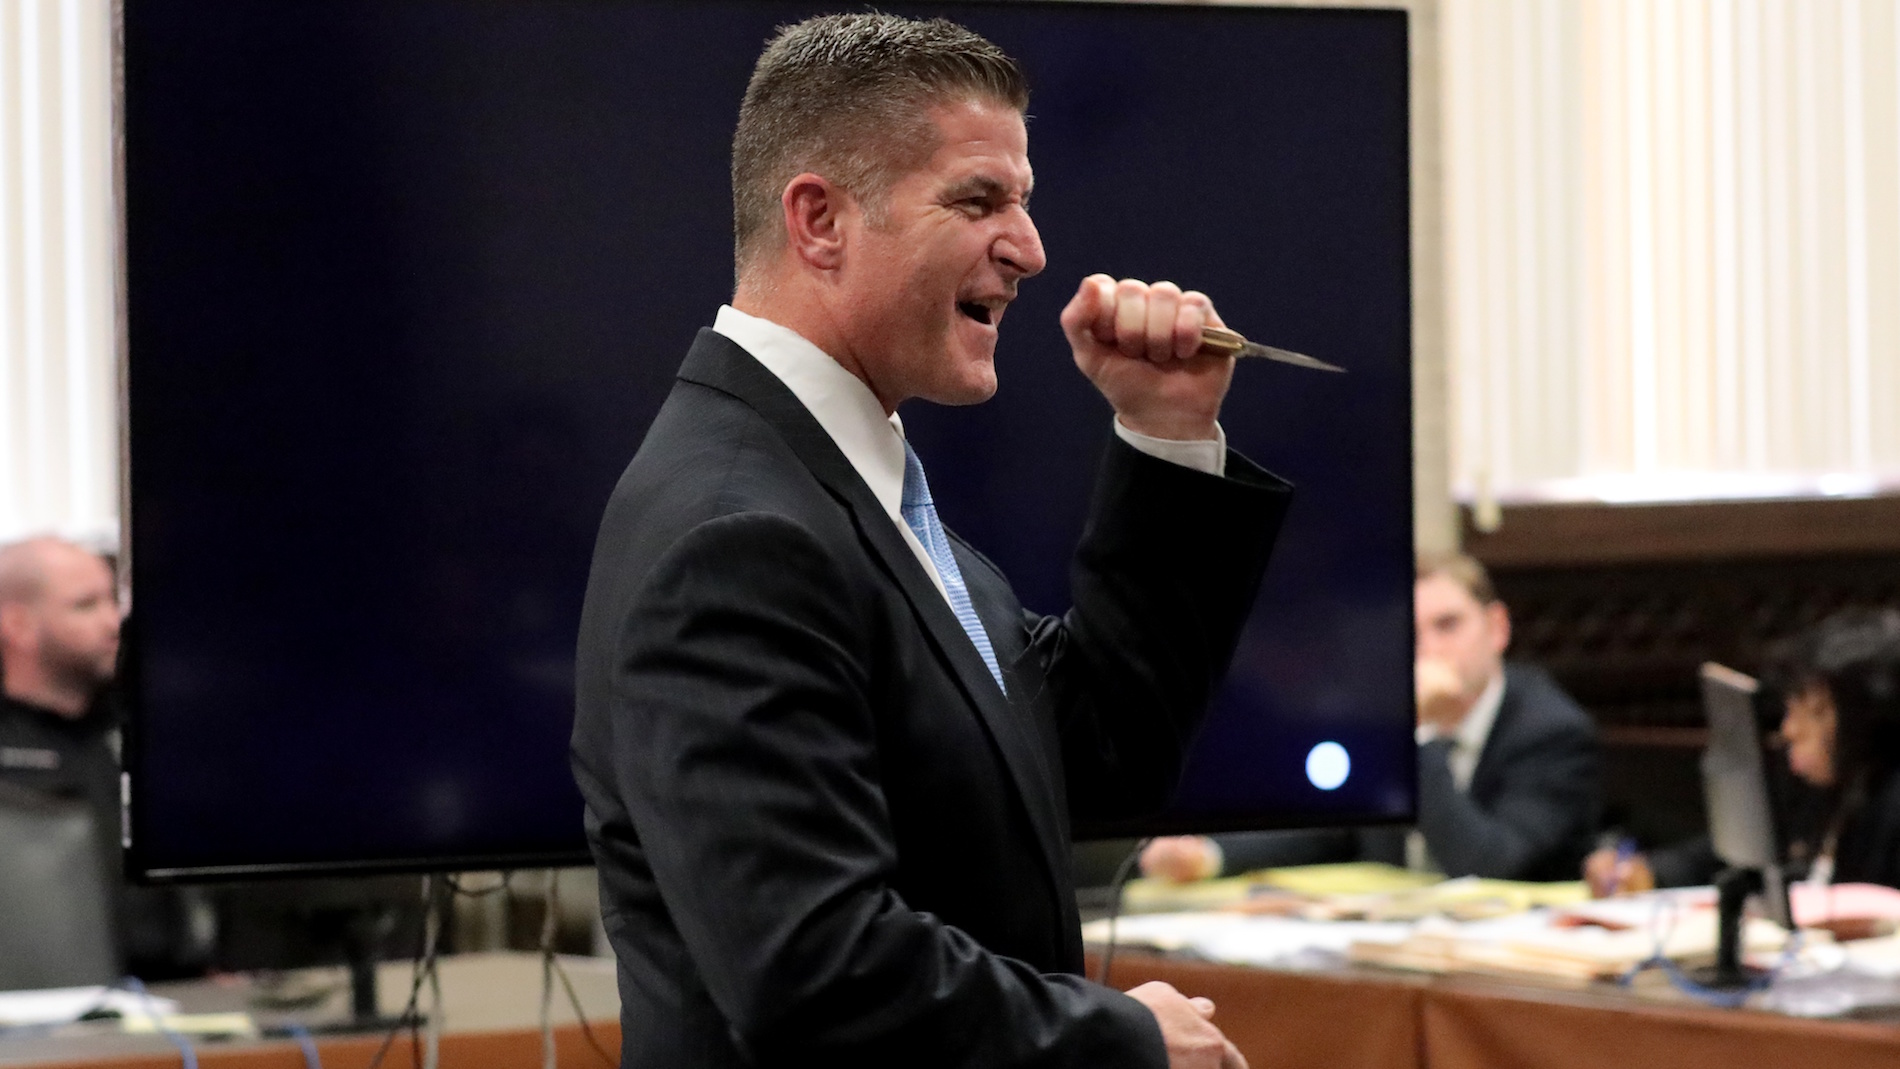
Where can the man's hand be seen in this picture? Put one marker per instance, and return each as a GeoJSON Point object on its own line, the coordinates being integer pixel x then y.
{"type": "Point", "coordinates": [1187, 1026]}
{"type": "Point", "coordinates": [1442, 702]}
{"type": "Point", "coordinates": [1181, 858]}
{"type": "Point", "coordinates": [1137, 344]}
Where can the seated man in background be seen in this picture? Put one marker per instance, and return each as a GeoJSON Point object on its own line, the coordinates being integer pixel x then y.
{"type": "Point", "coordinates": [1508, 781]}
{"type": "Point", "coordinates": [59, 724]}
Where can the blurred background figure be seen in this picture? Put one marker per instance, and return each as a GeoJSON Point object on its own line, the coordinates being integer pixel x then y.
{"type": "Point", "coordinates": [1837, 688]}
{"type": "Point", "coordinates": [59, 629]}
{"type": "Point", "coordinates": [59, 776]}
{"type": "Point", "coordinates": [1508, 778]}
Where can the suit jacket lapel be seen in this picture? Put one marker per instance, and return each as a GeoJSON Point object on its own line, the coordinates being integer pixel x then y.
{"type": "Point", "coordinates": [716, 361]}
{"type": "Point", "coordinates": [1496, 745]}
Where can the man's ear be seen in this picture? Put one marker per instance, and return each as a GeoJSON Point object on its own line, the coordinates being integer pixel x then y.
{"type": "Point", "coordinates": [16, 624]}
{"type": "Point", "coordinates": [1499, 618]}
{"type": "Point", "coordinates": [815, 209]}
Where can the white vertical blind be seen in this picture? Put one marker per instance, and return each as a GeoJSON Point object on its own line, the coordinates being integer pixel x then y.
{"type": "Point", "coordinates": [1672, 246]}
{"type": "Point", "coordinates": [58, 378]}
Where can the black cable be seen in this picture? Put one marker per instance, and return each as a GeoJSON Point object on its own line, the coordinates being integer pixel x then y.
{"type": "Point", "coordinates": [439, 915]}
{"type": "Point", "coordinates": [580, 1015]}
{"type": "Point", "coordinates": [420, 976]}
{"type": "Point", "coordinates": [508, 905]}
{"type": "Point", "coordinates": [419, 968]}
{"type": "Point", "coordinates": [1122, 873]}
{"type": "Point", "coordinates": [550, 907]}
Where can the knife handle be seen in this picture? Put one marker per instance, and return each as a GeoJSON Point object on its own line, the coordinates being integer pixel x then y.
{"type": "Point", "coordinates": [1219, 341]}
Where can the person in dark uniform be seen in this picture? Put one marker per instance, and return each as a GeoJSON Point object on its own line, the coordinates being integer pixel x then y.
{"type": "Point", "coordinates": [59, 643]}
{"type": "Point", "coordinates": [60, 720]}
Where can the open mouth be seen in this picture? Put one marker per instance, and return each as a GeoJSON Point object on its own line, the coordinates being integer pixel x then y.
{"type": "Point", "coordinates": [979, 312]}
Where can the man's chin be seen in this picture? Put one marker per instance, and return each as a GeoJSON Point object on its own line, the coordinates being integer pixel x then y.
{"type": "Point", "coordinates": [976, 386]}
{"type": "Point", "coordinates": [95, 673]}
{"type": "Point", "coordinates": [975, 394]}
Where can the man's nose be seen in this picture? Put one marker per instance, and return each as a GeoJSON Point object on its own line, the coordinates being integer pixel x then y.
{"type": "Point", "coordinates": [1020, 247]}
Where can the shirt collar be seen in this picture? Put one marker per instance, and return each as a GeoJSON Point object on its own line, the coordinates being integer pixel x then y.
{"type": "Point", "coordinates": [842, 404]}
{"type": "Point", "coordinates": [1475, 728]}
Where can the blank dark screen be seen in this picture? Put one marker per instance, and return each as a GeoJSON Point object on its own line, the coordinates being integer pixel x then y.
{"type": "Point", "coordinates": [408, 280]}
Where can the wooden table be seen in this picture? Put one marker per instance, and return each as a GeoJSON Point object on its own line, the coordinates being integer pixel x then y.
{"type": "Point", "coordinates": [1351, 1019]}
{"type": "Point", "coordinates": [491, 1020]}
{"type": "Point", "coordinates": [1370, 1019]}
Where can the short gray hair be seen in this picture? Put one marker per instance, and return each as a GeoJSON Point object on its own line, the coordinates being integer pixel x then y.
{"type": "Point", "coordinates": [1461, 568]}
{"type": "Point", "coordinates": [848, 97]}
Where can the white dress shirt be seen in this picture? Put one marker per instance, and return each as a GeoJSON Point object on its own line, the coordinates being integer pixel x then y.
{"type": "Point", "coordinates": [1467, 746]}
{"type": "Point", "coordinates": [1469, 737]}
{"type": "Point", "coordinates": [873, 442]}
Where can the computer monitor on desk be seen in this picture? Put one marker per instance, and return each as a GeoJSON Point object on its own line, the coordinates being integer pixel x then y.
{"type": "Point", "coordinates": [1742, 820]}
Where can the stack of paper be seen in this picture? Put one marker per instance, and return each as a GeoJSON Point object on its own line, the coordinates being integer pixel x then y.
{"type": "Point", "coordinates": [1381, 915]}
{"type": "Point", "coordinates": [1246, 940]}
{"type": "Point", "coordinates": [1876, 957]}
{"type": "Point", "coordinates": [63, 1005]}
{"type": "Point", "coordinates": [1356, 891]}
{"type": "Point", "coordinates": [1815, 906]}
{"type": "Point", "coordinates": [1348, 878]}
{"type": "Point", "coordinates": [1601, 942]}
{"type": "Point", "coordinates": [1465, 899]}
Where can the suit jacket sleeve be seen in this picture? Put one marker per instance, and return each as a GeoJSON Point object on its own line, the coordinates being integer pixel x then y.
{"type": "Point", "coordinates": [1869, 850]}
{"type": "Point", "coordinates": [1245, 851]}
{"type": "Point", "coordinates": [756, 782]}
{"type": "Point", "coordinates": [1163, 582]}
{"type": "Point", "coordinates": [1535, 820]}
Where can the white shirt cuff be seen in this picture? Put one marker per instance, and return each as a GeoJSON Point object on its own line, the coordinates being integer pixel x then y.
{"type": "Point", "coordinates": [1207, 454]}
{"type": "Point", "coordinates": [1217, 856]}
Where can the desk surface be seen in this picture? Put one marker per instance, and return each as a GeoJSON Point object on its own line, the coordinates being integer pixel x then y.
{"type": "Point", "coordinates": [1363, 1018]}
{"type": "Point", "coordinates": [491, 1017]}
{"type": "Point", "coordinates": [1372, 1019]}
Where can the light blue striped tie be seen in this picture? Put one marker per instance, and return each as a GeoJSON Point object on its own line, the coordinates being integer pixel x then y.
{"type": "Point", "coordinates": [920, 513]}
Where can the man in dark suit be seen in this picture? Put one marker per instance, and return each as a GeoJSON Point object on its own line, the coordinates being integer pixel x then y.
{"type": "Point", "coordinates": [829, 762]}
{"type": "Point", "coordinates": [1507, 763]}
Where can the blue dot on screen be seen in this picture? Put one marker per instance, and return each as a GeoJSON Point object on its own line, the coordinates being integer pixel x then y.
{"type": "Point", "coordinates": [1328, 765]}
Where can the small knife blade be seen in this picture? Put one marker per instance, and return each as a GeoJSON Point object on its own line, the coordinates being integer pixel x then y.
{"type": "Point", "coordinates": [1218, 341]}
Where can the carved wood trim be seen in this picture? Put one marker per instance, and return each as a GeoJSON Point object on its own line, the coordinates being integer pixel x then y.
{"type": "Point", "coordinates": [1558, 536]}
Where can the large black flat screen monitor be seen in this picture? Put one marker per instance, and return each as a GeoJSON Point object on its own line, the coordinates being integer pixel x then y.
{"type": "Point", "coordinates": [408, 279]}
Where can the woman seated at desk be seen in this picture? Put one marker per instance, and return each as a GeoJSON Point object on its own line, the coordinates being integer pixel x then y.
{"type": "Point", "coordinates": [1841, 728]}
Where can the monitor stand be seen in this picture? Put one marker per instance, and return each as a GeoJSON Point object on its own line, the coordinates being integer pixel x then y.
{"type": "Point", "coordinates": [1732, 888]}
{"type": "Point", "coordinates": [363, 930]}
